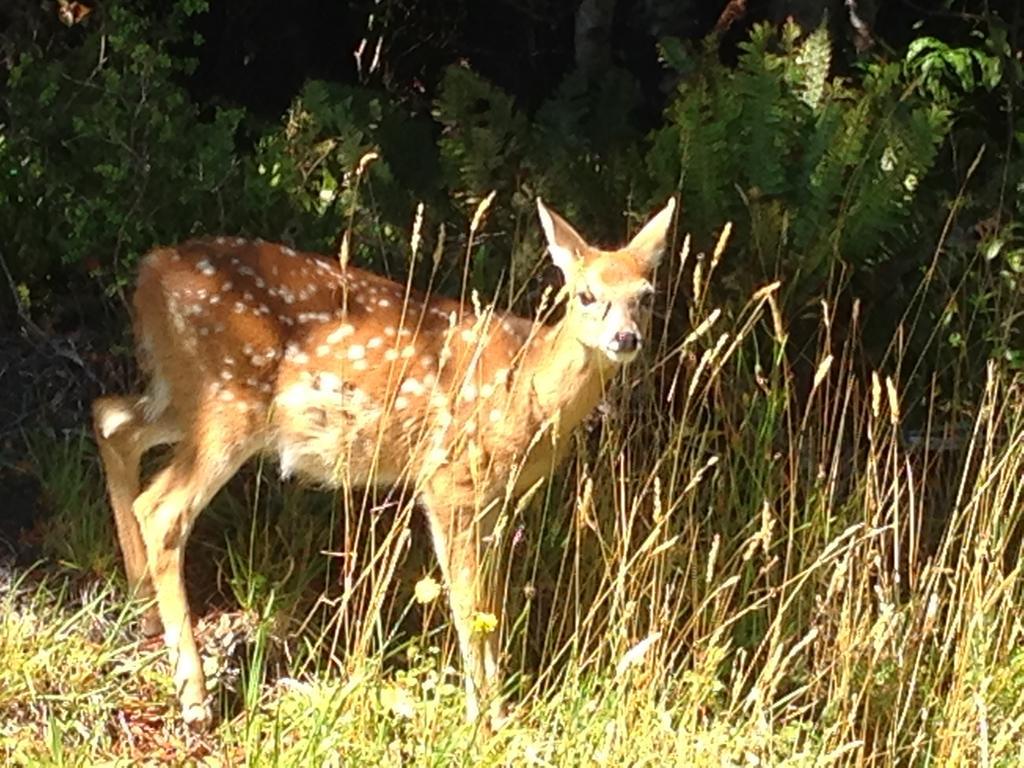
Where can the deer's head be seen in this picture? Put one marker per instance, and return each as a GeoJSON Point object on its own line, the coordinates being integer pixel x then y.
{"type": "Point", "coordinates": [609, 291]}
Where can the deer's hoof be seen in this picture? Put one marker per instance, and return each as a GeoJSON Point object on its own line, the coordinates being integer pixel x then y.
{"type": "Point", "coordinates": [196, 716]}
{"type": "Point", "coordinates": [150, 624]}
{"type": "Point", "coordinates": [498, 717]}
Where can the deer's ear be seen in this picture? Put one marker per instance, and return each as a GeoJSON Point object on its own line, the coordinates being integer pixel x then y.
{"type": "Point", "coordinates": [564, 243]}
{"type": "Point", "coordinates": [648, 245]}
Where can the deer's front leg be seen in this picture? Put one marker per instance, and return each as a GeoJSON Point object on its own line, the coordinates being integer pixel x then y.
{"type": "Point", "coordinates": [457, 534]}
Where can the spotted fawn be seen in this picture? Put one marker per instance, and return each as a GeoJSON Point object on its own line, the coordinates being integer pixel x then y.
{"type": "Point", "coordinates": [349, 379]}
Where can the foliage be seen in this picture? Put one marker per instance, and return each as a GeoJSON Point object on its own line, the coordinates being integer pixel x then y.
{"type": "Point", "coordinates": [581, 148]}
{"type": "Point", "coordinates": [945, 70]}
{"type": "Point", "coordinates": [334, 139]}
{"type": "Point", "coordinates": [105, 154]}
{"type": "Point", "coordinates": [817, 173]}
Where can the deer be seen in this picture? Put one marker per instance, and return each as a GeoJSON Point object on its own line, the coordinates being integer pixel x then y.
{"type": "Point", "coordinates": [345, 377]}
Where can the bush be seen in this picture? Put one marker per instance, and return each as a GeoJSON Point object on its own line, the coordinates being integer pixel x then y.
{"type": "Point", "coordinates": [105, 153]}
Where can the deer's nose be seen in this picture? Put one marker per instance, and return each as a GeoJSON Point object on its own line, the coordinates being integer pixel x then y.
{"type": "Point", "coordinates": [625, 342]}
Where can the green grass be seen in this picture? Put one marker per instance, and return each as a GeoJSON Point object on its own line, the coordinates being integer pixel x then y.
{"type": "Point", "coordinates": [735, 569]}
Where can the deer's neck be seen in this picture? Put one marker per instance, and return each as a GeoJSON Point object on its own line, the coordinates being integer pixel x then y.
{"type": "Point", "coordinates": [561, 379]}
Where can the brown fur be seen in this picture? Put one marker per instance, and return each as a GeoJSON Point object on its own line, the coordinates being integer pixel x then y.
{"type": "Point", "coordinates": [252, 348]}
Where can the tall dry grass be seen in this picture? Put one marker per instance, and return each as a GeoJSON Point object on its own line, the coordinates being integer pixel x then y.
{"type": "Point", "coordinates": [756, 556]}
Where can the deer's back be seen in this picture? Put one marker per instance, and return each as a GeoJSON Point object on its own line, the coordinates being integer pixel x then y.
{"type": "Point", "coordinates": [337, 371]}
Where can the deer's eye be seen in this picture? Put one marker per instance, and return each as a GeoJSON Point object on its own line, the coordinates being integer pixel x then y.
{"type": "Point", "coordinates": [646, 299]}
{"type": "Point", "coordinates": [586, 298]}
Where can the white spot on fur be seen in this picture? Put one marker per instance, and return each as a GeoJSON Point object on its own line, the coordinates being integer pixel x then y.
{"type": "Point", "coordinates": [339, 333]}
{"type": "Point", "coordinates": [411, 387]}
{"type": "Point", "coordinates": [328, 381]}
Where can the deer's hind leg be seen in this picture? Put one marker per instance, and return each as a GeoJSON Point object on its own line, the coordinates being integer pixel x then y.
{"type": "Point", "coordinates": [216, 444]}
{"type": "Point", "coordinates": [123, 434]}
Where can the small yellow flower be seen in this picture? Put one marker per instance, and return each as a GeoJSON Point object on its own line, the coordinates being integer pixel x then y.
{"type": "Point", "coordinates": [427, 590]}
{"type": "Point", "coordinates": [484, 623]}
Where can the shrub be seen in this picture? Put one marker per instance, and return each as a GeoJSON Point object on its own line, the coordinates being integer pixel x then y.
{"type": "Point", "coordinates": [105, 153]}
